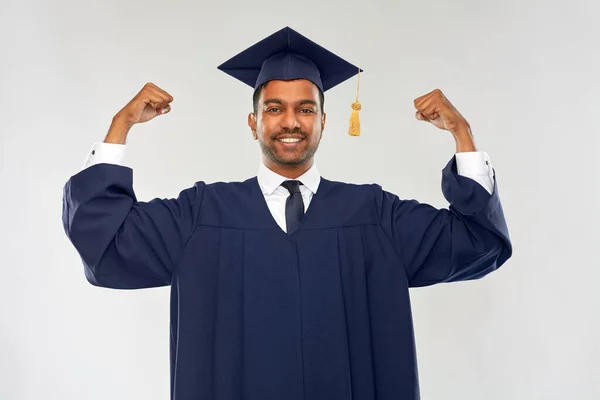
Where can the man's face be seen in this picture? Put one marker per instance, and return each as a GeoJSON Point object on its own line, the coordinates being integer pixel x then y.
{"type": "Point", "coordinates": [288, 122]}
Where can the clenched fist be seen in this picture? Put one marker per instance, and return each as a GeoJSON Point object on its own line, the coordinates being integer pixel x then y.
{"type": "Point", "coordinates": [150, 102]}
{"type": "Point", "coordinates": [434, 107]}
{"type": "Point", "coordinates": [147, 104]}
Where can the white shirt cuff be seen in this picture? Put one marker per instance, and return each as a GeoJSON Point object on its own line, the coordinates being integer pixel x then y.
{"type": "Point", "coordinates": [105, 153]}
{"type": "Point", "coordinates": [477, 166]}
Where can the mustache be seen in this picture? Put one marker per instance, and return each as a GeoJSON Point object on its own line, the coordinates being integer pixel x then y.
{"type": "Point", "coordinates": [296, 132]}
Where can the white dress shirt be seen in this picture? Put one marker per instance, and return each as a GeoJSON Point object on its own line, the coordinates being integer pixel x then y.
{"type": "Point", "coordinates": [276, 195]}
{"type": "Point", "coordinates": [475, 165]}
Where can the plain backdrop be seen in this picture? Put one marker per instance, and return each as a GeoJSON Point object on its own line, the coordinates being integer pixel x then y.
{"type": "Point", "coordinates": [524, 74]}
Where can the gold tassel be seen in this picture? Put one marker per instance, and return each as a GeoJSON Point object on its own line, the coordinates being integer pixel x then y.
{"type": "Point", "coordinates": [354, 118]}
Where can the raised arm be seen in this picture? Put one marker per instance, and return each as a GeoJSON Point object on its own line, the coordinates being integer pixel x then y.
{"type": "Point", "coordinates": [125, 243]}
{"type": "Point", "coordinates": [469, 239]}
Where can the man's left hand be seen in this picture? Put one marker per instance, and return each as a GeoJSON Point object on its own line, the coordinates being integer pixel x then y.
{"type": "Point", "coordinates": [434, 107]}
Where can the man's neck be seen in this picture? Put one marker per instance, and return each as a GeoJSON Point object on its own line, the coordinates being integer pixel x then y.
{"type": "Point", "coordinates": [290, 171]}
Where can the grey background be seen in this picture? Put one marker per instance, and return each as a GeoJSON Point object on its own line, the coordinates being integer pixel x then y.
{"type": "Point", "coordinates": [524, 74]}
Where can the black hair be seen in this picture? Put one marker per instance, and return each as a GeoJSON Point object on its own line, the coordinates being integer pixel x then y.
{"type": "Point", "coordinates": [259, 90]}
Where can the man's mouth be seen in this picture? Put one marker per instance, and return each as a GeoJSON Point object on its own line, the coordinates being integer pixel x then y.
{"type": "Point", "coordinates": [289, 139]}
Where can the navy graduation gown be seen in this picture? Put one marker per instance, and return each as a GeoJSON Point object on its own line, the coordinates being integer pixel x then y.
{"type": "Point", "coordinates": [258, 314]}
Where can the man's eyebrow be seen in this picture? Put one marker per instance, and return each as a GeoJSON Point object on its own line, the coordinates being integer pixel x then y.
{"type": "Point", "coordinates": [276, 101]}
{"type": "Point", "coordinates": [303, 102]}
{"type": "Point", "coordinates": [298, 103]}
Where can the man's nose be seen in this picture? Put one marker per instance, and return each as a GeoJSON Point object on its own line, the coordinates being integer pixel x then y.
{"type": "Point", "coordinates": [290, 120]}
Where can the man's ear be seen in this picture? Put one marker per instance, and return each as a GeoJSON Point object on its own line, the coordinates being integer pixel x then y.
{"type": "Point", "coordinates": [323, 120]}
{"type": "Point", "coordinates": [252, 125]}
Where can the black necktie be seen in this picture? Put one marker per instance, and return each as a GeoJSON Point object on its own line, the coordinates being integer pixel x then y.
{"type": "Point", "coordinates": [294, 206]}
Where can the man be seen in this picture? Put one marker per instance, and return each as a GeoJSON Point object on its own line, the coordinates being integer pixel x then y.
{"type": "Point", "coordinates": [288, 285]}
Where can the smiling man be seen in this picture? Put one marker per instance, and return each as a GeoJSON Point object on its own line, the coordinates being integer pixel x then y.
{"type": "Point", "coordinates": [290, 119]}
{"type": "Point", "coordinates": [287, 285]}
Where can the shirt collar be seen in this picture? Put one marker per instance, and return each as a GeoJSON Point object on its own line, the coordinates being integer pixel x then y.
{"type": "Point", "coordinates": [269, 180]}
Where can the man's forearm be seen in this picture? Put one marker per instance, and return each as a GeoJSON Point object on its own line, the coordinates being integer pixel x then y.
{"type": "Point", "coordinates": [464, 140]}
{"type": "Point", "coordinates": [118, 131]}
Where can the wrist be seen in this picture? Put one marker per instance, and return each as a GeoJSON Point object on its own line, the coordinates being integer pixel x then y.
{"type": "Point", "coordinates": [464, 139]}
{"type": "Point", "coordinates": [462, 131]}
{"type": "Point", "coordinates": [118, 131]}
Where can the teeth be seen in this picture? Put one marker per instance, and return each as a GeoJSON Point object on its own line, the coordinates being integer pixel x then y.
{"type": "Point", "coordinates": [290, 140]}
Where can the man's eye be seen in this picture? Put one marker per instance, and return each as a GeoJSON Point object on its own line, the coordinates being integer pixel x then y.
{"type": "Point", "coordinates": [274, 109]}
{"type": "Point", "coordinates": [307, 111]}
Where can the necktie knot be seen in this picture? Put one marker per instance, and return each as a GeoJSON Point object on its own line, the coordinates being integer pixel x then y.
{"type": "Point", "coordinates": [292, 186]}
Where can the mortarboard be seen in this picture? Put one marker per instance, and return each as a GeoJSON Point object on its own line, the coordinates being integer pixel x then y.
{"type": "Point", "coordinates": [287, 55]}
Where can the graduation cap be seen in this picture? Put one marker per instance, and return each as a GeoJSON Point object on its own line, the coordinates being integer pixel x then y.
{"type": "Point", "coordinates": [287, 55]}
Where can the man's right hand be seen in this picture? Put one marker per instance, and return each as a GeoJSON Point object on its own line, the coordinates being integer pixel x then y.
{"type": "Point", "coordinates": [150, 102]}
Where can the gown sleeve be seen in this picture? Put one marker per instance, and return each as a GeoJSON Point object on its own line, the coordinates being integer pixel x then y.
{"type": "Point", "coordinates": [125, 243]}
{"type": "Point", "coordinates": [467, 241]}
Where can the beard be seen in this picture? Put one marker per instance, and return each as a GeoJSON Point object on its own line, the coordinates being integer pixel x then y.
{"type": "Point", "coordinates": [269, 149]}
